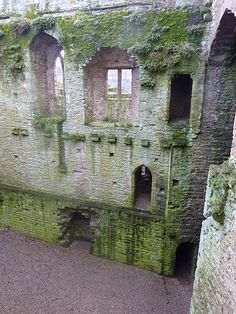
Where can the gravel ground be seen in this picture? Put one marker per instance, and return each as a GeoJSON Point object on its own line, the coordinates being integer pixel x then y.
{"type": "Point", "coordinates": [40, 278]}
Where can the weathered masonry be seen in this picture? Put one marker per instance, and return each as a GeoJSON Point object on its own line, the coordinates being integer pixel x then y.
{"type": "Point", "coordinates": [215, 282]}
{"type": "Point", "coordinates": [110, 118]}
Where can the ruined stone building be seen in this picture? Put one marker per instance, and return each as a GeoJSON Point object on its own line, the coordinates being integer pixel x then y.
{"type": "Point", "coordinates": [111, 114]}
{"type": "Point", "coordinates": [215, 277]}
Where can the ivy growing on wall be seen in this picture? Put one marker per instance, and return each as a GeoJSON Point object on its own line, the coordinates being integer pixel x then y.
{"type": "Point", "coordinates": [159, 39]}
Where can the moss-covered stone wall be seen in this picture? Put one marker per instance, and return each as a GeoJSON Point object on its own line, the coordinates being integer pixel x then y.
{"type": "Point", "coordinates": [94, 163]}
{"type": "Point", "coordinates": [117, 233]}
{"type": "Point", "coordinates": [214, 287]}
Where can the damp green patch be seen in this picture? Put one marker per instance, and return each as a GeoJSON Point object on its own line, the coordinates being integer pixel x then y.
{"type": "Point", "coordinates": [171, 41]}
{"type": "Point", "coordinates": [74, 137]}
{"type": "Point", "coordinates": [218, 183]}
{"type": "Point", "coordinates": [32, 12]}
{"type": "Point", "coordinates": [85, 33]}
{"type": "Point", "coordinates": [42, 121]}
{"type": "Point", "coordinates": [160, 41]}
{"type": "Point", "coordinates": [42, 23]}
{"type": "Point", "coordinates": [61, 148]}
{"type": "Point", "coordinates": [53, 126]}
{"type": "Point", "coordinates": [16, 36]}
{"type": "Point", "coordinates": [11, 50]}
{"type": "Point", "coordinates": [130, 238]}
{"type": "Point", "coordinates": [148, 81]}
{"type": "Point", "coordinates": [20, 132]}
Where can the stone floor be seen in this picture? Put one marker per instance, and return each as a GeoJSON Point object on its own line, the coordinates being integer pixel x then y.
{"type": "Point", "coordinates": [40, 278]}
{"type": "Point", "coordinates": [143, 201]}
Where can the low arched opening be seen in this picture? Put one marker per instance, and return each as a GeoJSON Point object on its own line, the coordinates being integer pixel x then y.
{"type": "Point", "coordinates": [80, 227]}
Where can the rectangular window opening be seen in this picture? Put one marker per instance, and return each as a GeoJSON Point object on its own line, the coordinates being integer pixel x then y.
{"type": "Point", "coordinates": [126, 82]}
{"type": "Point", "coordinates": [180, 98]}
{"type": "Point", "coordinates": [112, 83]}
{"type": "Point", "coordinates": [119, 83]}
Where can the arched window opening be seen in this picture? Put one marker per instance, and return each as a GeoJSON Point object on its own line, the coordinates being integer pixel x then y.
{"type": "Point", "coordinates": [80, 227]}
{"type": "Point", "coordinates": [143, 188]}
{"type": "Point", "coordinates": [59, 83]}
{"type": "Point", "coordinates": [184, 260]}
{"type": "Point", "coordinates": [59, 74]}
{"type": "Point", "coordinates": [48, 66]}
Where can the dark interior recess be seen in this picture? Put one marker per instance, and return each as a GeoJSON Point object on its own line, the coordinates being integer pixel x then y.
{"type": "Point", "coordinates": [184, 260]}
{"type": "Point", "coordinates": [180, 98]}
{"type": "Point", "coordinates": [80, 227]}
{"type": "Point", "coordinates": [143, 187]}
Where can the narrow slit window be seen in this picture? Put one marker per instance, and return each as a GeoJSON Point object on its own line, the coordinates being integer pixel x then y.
{"type": "Point", "coordinates": [59, 75]}
{"type": "Point", "coordinates": [180, 98]}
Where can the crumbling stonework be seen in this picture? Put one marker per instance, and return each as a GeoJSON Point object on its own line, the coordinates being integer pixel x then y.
{"type": "Point", "coordinates": [215, 283]}
{"type": "Point", "coordinates": [58, 160]}
{"type": "Point", "coordinates": [214, 286]}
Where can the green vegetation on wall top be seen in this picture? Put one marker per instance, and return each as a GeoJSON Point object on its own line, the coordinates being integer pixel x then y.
{"type": "Point", "coordinates": [160, 40]}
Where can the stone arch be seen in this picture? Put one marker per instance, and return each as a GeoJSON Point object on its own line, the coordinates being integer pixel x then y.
{"type": "Point", "coordinates": [77, 224]}
{"type": "Point", "coordinates": [142, 187]}
{"type": "Point", "coordinates": [45, 50]}
{"type": "Point", "coordinates": [223, 48]}
{"type": "Point", "coordinates": [111, 86]}
{"type": "Point", "coordinates": [222, 56]}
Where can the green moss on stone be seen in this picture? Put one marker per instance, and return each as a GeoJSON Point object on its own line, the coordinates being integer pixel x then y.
{"type": "Point", "coordinates": [83, 34]}
{"type": "Point", "coordinates": [74, 137]}
{"type": "Point", "coordinates": [148, 81]}
{"type": "Point", "coordinates": [169, 42]}
{"type": "Point", "coordinates": [130, 238]}
{"type": "Point", "coordinates": [43, 23]}
{"type": "Point", "coordinates": [219, 185]}
{"type": "Point", "coordinates": [12, 47]}
{"type": "Point", "coordinates": [32, 12]}
{"type": "Point", "coordinates": [20, 132]}
{"type": "Point", "coordinates": [42, 121]}
{"type": "Point", "coordinates": [161, 41]}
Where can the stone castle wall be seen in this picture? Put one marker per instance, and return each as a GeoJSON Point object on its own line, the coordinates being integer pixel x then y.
{"type": "Point", "coordinates": [233, 149]}
{"type": "Point", "coordinates": [13, 6]}
{"type": "Point", "coordinates": [218, 9]}
{"type": "Point", "coordinates": [53, 163]}
{"type": "Point", "coordinates": [8, 7]}
{"type": "Point", "coordinates": [214, 286]}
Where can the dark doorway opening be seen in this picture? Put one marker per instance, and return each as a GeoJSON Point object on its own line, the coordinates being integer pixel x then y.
{"type": "Point", "coordinates": [180, 98]}
{"type": "Point", "coordinates": [143, 187]}
{"type": "Point", "coordinates": [80, 227]}
{"type": "Point", "coordinates": [184, 260]}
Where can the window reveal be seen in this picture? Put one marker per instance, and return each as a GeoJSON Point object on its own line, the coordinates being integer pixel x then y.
{"type": "Point", "coordinates": [111, 87]}
{"type": "Point", "coordinates": [180, 99]}
{"type": "Point", "coordinates": [59, 74]}
{"type": "Point", "coordinates": [119, 83]}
